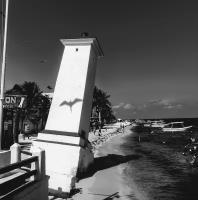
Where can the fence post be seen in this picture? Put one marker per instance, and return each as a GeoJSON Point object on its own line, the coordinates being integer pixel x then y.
{"type": "Point", "coordinates": [15, 153]}
{"type": "Point", "coordinates": [40, 165]}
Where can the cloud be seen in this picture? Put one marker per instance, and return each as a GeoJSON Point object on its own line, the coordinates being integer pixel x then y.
{"type": "Point", "coordinates": [163, 102]}
{"type": "Point", "coordinates": [177, 106]}
{"type": "Point", "coordinates": [118, 106]}
{"type": "Point", "coordinates": [169, 106]}
{"type": "Point", "coordinates": [126, 106]}
{"type": "Point", "coordinates": [166, 103]}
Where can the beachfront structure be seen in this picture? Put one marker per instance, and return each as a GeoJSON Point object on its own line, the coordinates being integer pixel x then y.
{"type": "Point", "coordinates": [65, 138]}
{"type": "Point", "coordinates": [22, 174]}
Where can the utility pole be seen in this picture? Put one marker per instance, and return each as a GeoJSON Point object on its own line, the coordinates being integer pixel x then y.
{"type": "Point", "coordinates": [3, 71]}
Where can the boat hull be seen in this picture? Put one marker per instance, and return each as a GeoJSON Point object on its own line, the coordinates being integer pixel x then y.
{"type": "Point", "coordinates": [176, 129]}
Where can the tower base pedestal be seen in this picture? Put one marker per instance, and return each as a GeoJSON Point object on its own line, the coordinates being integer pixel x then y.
{"type": "Point", "coordinates": [63, 160]}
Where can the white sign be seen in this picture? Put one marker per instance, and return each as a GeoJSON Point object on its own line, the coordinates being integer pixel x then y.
{"type": "Point", "coordinates": [13, 101]}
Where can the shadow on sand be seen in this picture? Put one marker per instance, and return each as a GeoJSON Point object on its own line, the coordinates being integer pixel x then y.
{"type": "Point", "coordinates": [105, 162]}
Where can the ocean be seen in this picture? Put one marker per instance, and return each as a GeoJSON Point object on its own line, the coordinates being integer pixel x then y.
{"type": "Point", "coordinates": [161, 171]}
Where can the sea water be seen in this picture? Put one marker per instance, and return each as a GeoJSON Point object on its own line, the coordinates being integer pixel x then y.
{"type": "Point", "coordinates": [160, 170]}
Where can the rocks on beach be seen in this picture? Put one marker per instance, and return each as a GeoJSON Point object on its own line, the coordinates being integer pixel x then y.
{"type": "Point", "coordinates": [98, 138]}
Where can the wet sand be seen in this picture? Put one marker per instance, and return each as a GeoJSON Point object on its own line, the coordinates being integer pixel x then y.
{"type": "Point", "coordinates": [107, 181]}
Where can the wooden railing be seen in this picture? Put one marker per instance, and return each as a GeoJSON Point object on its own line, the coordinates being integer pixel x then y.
{"type": "Point", "coordinates": [16, 176]}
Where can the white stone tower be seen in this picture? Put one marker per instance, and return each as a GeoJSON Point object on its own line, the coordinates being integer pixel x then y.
{"type": "Point", "coordinates": [65, 138]}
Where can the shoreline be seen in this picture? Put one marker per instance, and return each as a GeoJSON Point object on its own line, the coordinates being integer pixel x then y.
{"type": "Point", "coordinates": [105, 136]}
{"type": "Point", "coordinates": [108, 180]}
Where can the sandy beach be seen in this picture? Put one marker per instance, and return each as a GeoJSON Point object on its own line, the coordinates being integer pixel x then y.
{"type": "Point", "coordinates": [106, 181]}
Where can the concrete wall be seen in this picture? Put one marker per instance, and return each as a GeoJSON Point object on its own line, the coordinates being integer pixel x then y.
{"type": "Point", "coordinates": [5, 158]}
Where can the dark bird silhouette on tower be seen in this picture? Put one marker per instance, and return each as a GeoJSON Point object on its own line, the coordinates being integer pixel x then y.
{"type": "Point", "coordinates": [70, 103]}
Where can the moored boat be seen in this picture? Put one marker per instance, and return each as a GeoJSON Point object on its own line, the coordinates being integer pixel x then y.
{"type": "Point", "coordinates": [157, 124]}
{"type": "Point", "coordinates": [175, 127]}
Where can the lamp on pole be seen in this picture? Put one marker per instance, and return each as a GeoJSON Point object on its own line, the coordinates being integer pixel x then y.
{"type": "Point", "coordinates": [3, 71]}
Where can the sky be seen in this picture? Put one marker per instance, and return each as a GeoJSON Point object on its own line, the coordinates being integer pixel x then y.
{"type": "Point", "coordinates": [150, 66]}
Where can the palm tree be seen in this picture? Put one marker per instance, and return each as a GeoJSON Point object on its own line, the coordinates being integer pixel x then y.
{"type": "Point", "coordinates": [37, 105]}
{"type": "Point", "coordinates": [44, 109]}
{"type": "Point", "coordinates": [102, 105]}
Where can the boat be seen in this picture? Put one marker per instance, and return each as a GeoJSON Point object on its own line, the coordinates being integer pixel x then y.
{"type": "Point", "coordinates": [157, 124]}
{"type": "Point", "coordinates": [175, 127]}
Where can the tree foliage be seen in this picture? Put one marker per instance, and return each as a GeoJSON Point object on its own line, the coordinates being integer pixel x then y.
{"type": "Point", "coordinates": [102, 104]}
{"type": "Point", "coordinates": [37, 105]}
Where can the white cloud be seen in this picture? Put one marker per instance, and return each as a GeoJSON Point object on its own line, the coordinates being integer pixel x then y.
{"type": "Point", "coordinates": [169, 106]}
{"type": "Point", "coordinates": [128, 106]}
{"type": "Point", "coordinates": [118, 106]}
{"type": "Point", "coordinates": [166, 103]}
{"type": "Point", "coordinates": [162, 102]}
{"type": "Point", "coordinates": [177, 106]}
